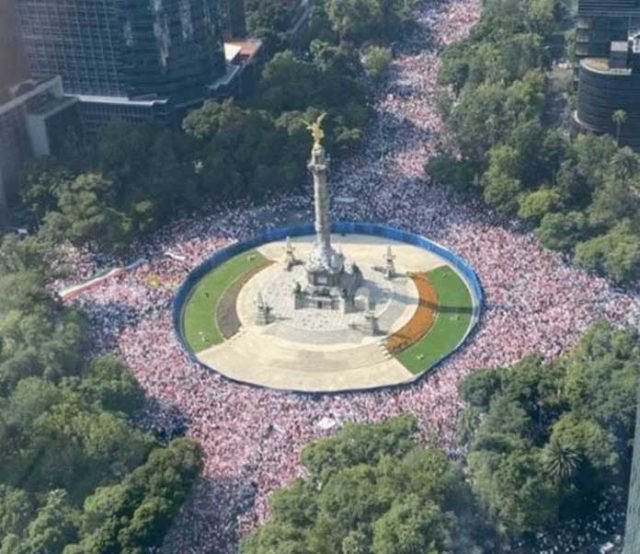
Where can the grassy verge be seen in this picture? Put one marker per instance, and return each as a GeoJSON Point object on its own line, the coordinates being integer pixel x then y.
{"type": "Point", "coordinates": [199, 321]}
{"type": "Point", "coordinates": [453, 317]}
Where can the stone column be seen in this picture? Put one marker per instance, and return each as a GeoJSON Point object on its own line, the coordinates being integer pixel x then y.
{"type": "Point", "coordinates": [318, 168]}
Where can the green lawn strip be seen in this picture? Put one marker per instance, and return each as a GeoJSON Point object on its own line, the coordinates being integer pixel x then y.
{"type": "Point", "coordinates": [452, 320]}
{"type": "Point", "coordinates": [199, 316]}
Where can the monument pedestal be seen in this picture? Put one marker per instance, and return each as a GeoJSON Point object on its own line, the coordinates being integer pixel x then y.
{"type": "Point", "coordinates": [331, 282]}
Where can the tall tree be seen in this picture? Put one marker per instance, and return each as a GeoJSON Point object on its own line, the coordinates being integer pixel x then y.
{"type": "Point", "coordinates": [619, 118]}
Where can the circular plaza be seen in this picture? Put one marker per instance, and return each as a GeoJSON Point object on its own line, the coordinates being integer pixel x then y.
{"type": "Point", "coordinates": [246, 314]}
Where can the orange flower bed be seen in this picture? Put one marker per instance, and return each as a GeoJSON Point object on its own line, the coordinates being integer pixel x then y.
{"type": "Point", "coordinates": [423, 318]}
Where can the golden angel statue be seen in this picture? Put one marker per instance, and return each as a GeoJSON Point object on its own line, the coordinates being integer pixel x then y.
{"type": "Point", "coordinates": [316, 129]}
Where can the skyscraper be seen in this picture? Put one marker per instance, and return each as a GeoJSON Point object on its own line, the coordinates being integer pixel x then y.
{"type": "Point", "coordinates": [632, 533]}
{"type": "Point", "coordinates": [608, 50]}
{"type": "Point", "coordinates": [35, 116]}
{"type": "Point", "coordinates": [142, 59]}
{"type": "Point", "coordinates": [601, 22]}
{"type": "Point", "coordinates": [35, 119]}
{"type": "Point", "coordinates": [233, 13]}
{"type": "Point", "coordinates": [13, 67]}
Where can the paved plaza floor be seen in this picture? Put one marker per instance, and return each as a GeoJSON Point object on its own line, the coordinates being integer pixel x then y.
{"type": "Point", "coordinates": [313, 350]}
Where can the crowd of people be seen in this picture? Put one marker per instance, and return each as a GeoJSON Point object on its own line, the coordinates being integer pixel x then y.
{"type": "Point", "coordinates": [535, 303]}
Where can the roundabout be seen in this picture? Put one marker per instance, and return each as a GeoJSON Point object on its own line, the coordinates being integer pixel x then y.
{"type": "Point", "coordinates": [329, 307]}
{"type": "Point", "coordinates": [423, 311]}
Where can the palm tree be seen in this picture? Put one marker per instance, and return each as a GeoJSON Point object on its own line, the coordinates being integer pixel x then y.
{"type": "Point", "coordinates": [619, 117]}
{"type": "Point", "coordinates": [559, 461]}
{"type": "Point", "coordinates": [626, 163]}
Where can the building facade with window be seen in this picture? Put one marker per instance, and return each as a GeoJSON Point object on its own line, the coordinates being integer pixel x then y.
{"type": "Point", "coordinates": [35, 119]}
{"type": "Point", "coordinates": [601, 22]}
{"type": "Point", "coordinates": [133, 59]}
{"type": "Point", "coordinates": [608, 53]}
{"type": "Point", "coordinates": [632, 532]}
{"type": "Point", "coordinates": [13, 66]}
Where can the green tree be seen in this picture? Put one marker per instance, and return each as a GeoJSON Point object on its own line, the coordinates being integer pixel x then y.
{"type": "Point", "coordinates": [502, 186]}
{"type": "Point", "coordinates": [358, 444]}
{"type": "Point", "coordinates": [356, 542]}
{"type": "Point", "coordinates": [588, 440]}
{"type": "Point", "coordinates": [615, 254]}
{"type": "Point", "coordinates": [111, 385]}
{"type": "Point", "coordinates": [17, 509]}
{"type": "Point", "coordinates": [362, 20]}
{"type": "Point", "coordinates": [64, 431]}
{"type": "Point", "coordinates": [376, 61]}
{"type": "Point", "coordinates": [560, 461]}
{"type": "Point", "coordinates": [411, 525]}
{"type": "Point", "coordinates": [85, 215]}
{"type": "Point", "coordinates": [243, 151]}
{"type": "Point", "coordinates": [478, 120]}
{"type": "Point", "coordinates": [268, 16]}
{"type": "Point", "coordinates": [535, 205]}
{"type": "Point", "coordinates": [21, 255]}
{"type": "Point", "coordinates": [22, 291]}
{"type": "Point", "coordinates": [289, 83]}
{"type": "Point", "coordinates": [54, 526]}
{"type": "Point", "coordinates": [479, 387]}
{"type": "Point", "coordinates": [122, 153]}
{"type": "Point", "coordinates": [42, 343]}
{"type": "Point", "coordinates": [31, 398]}
{"type": "Point", "coordinates": [77, 450]}
{"type": "Point", "coordinates": [513, 488]}
{"type": "Point", "coordinates": [602, 373]}
{"type": "Point", "coordinates": [548, 439]}
{"type": "Point", "coordinates": [619, 118]}
{"type": "Point", "coordinates": [450, 171]}
{"type": "Point", "coordinates": [454, 65]}
{"type": "Point", "coordinates": [135, 514]}
{"type": "Point", "coordinates": [561, 231]}
{"type": "Point", "coordinates": [42, 185]}
{"type": "Point", "coordinates": [618, 196]}
{"type": "Point", "coordinates": [370, 488]}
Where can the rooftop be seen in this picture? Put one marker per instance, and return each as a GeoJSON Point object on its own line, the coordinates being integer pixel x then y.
{"type": "Point", "coordinates": [601, 65]}
{"type": "Point", "coordinates": [609, 8]}
{"type": "Point", "coordinates": [245, 49]}
{"type": "Point", "coordinates": [620, 46]}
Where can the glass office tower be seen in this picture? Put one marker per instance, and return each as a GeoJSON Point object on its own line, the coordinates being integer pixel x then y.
{"type": "Point", "coordinates": [13, 67]}
{"type": "Point", "coordinates": [124, 48]}
{"type": "Point", "coordinates": [608, 53]}
{"type": "Point", "coordinates": [601, 22]}
{"type": "Point", "coordinates": [632, 534]}
{"type": "Point", "coordinates": [141, 59]}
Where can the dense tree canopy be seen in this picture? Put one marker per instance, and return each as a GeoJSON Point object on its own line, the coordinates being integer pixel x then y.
{"type": "Point", "coordinates": [372, 489]}
{"type": "Point", "coordinates": [548, 439]}
{"type": "Point", "coordinates": [581, 194]}
{"type": "Point", "coordinates": [369, 20]}
{"type": "Point", "coordinates": [65, 431]}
